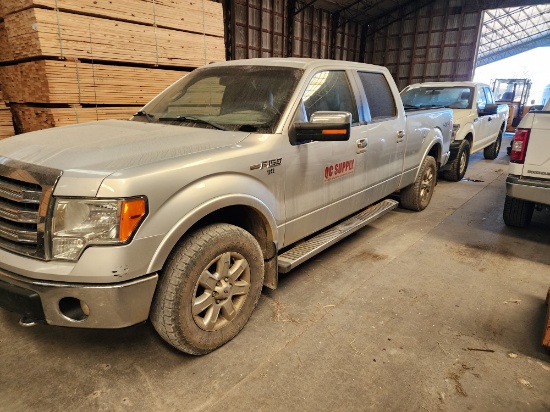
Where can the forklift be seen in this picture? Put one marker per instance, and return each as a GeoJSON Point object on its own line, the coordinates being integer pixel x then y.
{"type": "Point", "coordinates": [514, 93]}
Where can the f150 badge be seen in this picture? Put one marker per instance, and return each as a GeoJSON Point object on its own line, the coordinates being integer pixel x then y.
{"type": "Point", "coordinates": [339, 169]}
{"type": "Point", "coordinates": [267, 164]}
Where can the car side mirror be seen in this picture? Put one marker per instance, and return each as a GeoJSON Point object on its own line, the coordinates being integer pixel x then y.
{"type": "Point", "coordinates": [489, 109]}
{"type": "Point", "coordinates": [323, 127]}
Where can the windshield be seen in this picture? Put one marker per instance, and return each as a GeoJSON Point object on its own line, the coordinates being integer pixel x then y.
{"type": "Point", "coordinates": [508, 90]}
{"type": "Point", "coordinates": [246, 98]}
{"type": "Point", "coordinates": [455, 97]}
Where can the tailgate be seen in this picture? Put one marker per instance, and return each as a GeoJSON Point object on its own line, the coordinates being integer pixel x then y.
{"type": "Point", "coordinates": [537, 159]}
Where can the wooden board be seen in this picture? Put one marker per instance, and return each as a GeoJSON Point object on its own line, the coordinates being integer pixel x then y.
{"type": "Point", "coordinates": [186, 15]}
{"type": "Point", "coordinates": [36, 32]}
{"type": "Point", "coordinates": [32, 118]}
{"type": "Point", "coordinates": [73, 82]}
{"type": "Point", "coordinates": [6, 123]}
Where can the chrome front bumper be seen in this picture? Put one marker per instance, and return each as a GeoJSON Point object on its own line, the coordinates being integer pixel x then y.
{"type": "Point", "coordinates": [80, 305]}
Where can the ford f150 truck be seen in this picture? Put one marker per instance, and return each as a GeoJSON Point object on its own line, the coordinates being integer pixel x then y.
{"type": "Point", "coordinates": [238, 172]}
{"type": "Point", "coordinates": [478, 123]}
{"type": "Point", "coordinates": [528, 182]}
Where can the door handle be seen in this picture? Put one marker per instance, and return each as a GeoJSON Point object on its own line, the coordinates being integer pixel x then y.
{"type": "Point", "coordinates": [400, 136]}
{"type": "Point", "coordinates": [490, 119]}
{"type": "Point", "coordinates": [361, 145]}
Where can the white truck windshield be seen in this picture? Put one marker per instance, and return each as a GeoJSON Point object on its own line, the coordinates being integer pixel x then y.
{"type": "Point", "coordinates": [456, 97]}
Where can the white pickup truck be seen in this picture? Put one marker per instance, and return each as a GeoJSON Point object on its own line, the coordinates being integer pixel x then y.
{"type": "Point", "coordinates": [528, 182]}
{"type": "Point", "coordinates": [478, 123]}
{"type": "Point", "coordinates": [239, 171]}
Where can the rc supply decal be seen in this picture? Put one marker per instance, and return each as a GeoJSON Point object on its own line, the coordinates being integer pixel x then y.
{"type": "Point", "coordinates": [339, 169]}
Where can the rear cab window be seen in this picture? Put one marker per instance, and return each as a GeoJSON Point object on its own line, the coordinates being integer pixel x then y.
{"type": "Point", "coordinates": [380, 100]}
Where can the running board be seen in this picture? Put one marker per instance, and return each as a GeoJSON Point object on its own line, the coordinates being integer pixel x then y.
{"type": "Point", "coordinates": [302, 252]}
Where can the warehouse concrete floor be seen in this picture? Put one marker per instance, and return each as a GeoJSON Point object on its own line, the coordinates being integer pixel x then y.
{"type": "Point", "coordinates": [434, 311]}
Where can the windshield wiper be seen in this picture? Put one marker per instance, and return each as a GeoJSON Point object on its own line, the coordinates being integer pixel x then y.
{"type": "Point", "coordinates": [148, 116]}
{"type": "Point", "coordinates": [410, 106]}
{"type": "Point", "coordinates": [185, 118]}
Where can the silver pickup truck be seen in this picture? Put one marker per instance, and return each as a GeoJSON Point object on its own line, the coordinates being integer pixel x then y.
{"type": "Point", "coordinates": [236, 173]}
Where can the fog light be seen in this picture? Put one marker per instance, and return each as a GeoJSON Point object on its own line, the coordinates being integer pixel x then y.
{"type": "Point", "coordinates": [74, 309]}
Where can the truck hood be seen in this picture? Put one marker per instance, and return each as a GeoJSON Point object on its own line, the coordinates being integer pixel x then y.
{"type": "Point", "coordinates": [101, 148]}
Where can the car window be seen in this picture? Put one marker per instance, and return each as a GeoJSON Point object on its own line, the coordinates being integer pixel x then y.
{"type": "Point", "coordinates": [489, 95]}
{"type": "Point", "coordinates": [481, 99]}
{"type": "Point", "coordinates": [330, 91]}
{"type": "Point", "coordinates": [379, 96]}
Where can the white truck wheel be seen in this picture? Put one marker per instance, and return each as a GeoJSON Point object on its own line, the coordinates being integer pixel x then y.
{"type": "Point", "coordinates": [459, 164]}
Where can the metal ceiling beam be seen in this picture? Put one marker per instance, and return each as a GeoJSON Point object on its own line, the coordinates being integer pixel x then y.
{"type": "Point", "coordinates": [543, 41]}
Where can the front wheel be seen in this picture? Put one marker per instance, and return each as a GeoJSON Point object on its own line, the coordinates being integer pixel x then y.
{"type": "Point", "coordinates": [459, 165]}
{"type": "Point", "coordinates": [517, 212]}
{"type": "Point", "coordinates": [209, 289]}
{"type": "Point", "coordinates": [418, 195]}
{"type": "Point", "coordinates": [491, 152]}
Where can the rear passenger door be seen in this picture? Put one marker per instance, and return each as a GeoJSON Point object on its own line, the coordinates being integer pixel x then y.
{"type": "Point", "coordinates": [384, 132]}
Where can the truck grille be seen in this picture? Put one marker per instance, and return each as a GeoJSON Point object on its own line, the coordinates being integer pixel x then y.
{"type": "Point", "coordinates": [25, 192]}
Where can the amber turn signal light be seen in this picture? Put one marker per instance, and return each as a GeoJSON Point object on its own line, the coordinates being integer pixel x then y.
{"type": "Point", "coordinates": [132, 212]}
{"type": "Point", "coordinates": [334, 131]}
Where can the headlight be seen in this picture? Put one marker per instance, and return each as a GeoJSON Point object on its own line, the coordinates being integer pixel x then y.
{"type": "Point", "coordinates": [456, 128]}
{"type": "Point", "coordinates": [81, 222]}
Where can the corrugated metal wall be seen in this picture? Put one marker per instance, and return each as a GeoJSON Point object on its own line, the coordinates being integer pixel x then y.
{"type": "Point", "coordinates": [422, 41]}
{"type": "Point", "coordinates": [437, 42]}
{"type": "Point", "coordinates": [261, 30]}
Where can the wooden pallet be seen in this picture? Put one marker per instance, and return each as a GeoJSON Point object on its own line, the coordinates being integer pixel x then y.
{"type": "Point", "coordinates": [74, 82]}
{"type": "Point", "coordinates": [6, 123]}
{"type": "Point", "coordinates": [32, 118]}
{"type": "Point", "coordinates": [182, 15]}
{"type": "Point", "coordinates": [38, 32]}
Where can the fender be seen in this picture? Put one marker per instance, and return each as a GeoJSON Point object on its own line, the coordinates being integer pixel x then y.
{"type": "Point", "coordinates": [206, 207]}
{"type": "Point", "coordinates": [467, 128]}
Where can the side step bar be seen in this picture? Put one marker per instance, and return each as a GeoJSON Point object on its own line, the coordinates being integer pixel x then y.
{"type": "Point", "coordinates": [303, 251]}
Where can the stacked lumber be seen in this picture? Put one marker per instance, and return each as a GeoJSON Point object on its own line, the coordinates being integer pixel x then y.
{"type": "Point", "coordinates": [6, 124]}
{"type": "Point", "coordinates": [31, 118]}
{"type": "Point", "coordinates": [199, 16]}
{"type": "Point", "coordinates": [69, 61]}
{"type": "Point", "coordinates": [41, 32]}
{"type": "Point", "coordinates": [74, 82]}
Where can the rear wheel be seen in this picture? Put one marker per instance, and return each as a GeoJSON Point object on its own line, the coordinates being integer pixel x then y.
{"type": "Point", "coordinates": [517, 212]}
{"type": "Point", "coordinates": [209, 289]}
{"type": "Point", "coordinates": [491, 152]}
{"type": "Point", "coordinates": [459, 164]}
{"type": "Point", "coordinates": [418, 195]}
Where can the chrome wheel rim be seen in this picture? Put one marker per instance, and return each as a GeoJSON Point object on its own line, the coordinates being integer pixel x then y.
{"type": "Point", "coordinates": [221, 291]}
{"type": "Point", "coordinates": [426, 184]}
{"type": "Point", "coordinates": [462, 167]}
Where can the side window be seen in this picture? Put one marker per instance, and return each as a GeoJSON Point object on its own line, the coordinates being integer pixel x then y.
{"type": "Point", "coordinates": [489, 96]}
{"type": "Point", "coordinates": [330, 91]}
{"type": "Point", "coordinates": [379, 96]}
{"type": "Point", "coordinates": [481, 99]}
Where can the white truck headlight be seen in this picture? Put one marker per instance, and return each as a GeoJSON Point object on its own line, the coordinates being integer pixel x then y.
{"type": "Point", "coordinates": [80, 222]}
{"type": "Point", "coordinates": [456, 128]}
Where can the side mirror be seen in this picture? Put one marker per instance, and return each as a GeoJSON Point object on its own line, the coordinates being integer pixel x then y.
{"type": "Point", "coordinates": [489, 109]}
{"type": "Point", "coordinates": [323, 127]}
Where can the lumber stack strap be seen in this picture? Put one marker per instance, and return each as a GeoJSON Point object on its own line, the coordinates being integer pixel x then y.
{"type": "Point", "coordinates": [38, 32]}
{"type": "Point", "coordinates": [32, 118]}
{"type": "Point", "coordinates": [74, 82]}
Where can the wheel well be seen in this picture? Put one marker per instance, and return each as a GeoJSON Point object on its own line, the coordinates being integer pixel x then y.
{"type": "Point", "coordinates": [470, 138]}
{"type": "Point", "coordinates": [246, 218]}
{"type": "Point", "coordinates": [435, 152]}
